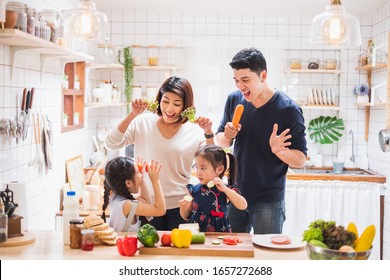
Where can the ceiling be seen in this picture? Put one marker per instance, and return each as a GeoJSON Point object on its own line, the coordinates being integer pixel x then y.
{"type": "Point", "coordinates": [357, 7]}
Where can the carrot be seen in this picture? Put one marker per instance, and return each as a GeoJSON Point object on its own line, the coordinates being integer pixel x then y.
{"type": "Point", "coordinates": [237, 114]}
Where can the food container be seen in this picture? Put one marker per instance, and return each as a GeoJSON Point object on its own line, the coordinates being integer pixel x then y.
{"type": "Point", "coordinates": [91, 197]}
{"type": "Point", "coordinates": [16, 10]}
{"type": "Point", "coordinates": [105, 53]}
{"type": "Point", "coordinates": [152, 55]}
{"type": "Point", "coordinates": [330, 64]}
{"type": "Point", "coordinates": [295, 63]}
{"type": "Point", "coordinates": [314, 63]}
{"type": "Point", "coordinates": [136, 54]}
{"type": "Point", "coordinates": [31, 20]}
{"type": "Point", "coordinates": [51, 18]}
{"type": "Point", "coordinates": [319, 253]}
{"type": "Point", "coordinates": [75, 227]}
{"type": "Point", "coordinates": [87, 239]}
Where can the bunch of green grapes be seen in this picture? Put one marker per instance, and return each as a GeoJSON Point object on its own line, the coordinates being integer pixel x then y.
{"type": "Point", "coordinates": [190, 114]}
{"type": "Point", "coordinates": [152, 106]}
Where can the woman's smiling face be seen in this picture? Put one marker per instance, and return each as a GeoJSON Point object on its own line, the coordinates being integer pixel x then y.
{"type": "Point", "coordinates": [171, 107]}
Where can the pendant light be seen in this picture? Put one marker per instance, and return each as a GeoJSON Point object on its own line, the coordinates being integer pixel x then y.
{"type": "Point", "coordinates": [85, 23]}
{"type": "Point", "coordinates": [335, 27]}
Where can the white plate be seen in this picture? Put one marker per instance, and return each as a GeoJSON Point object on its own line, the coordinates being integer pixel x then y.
{"type": "Point", "coordinates": [329, 97]}
{"type": "Point", "coordinates": [315, 97]}
{"type": "Point", "coordinates": [264, 240]}
{"type": "Point", "coordinates": [311, 100]}
{"type": "Point", "coordinates": [333, 97]}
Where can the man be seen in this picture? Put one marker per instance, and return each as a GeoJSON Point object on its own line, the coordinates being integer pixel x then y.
{"type": "Point", "coordinates": [269, 138]}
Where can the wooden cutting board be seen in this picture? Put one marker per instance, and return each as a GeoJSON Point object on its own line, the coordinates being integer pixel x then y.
{"type": "Point", "coordinates": [244, 249]}
{"type": "Point", "coordinates": [27, 238]}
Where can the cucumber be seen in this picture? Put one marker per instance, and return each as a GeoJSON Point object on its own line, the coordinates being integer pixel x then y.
{"type": "Point", "coordinates": [198, 238]}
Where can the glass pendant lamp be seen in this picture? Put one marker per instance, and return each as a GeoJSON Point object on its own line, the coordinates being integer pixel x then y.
{"type": "Point", "coordinates": [335, 27]}
{"type": "Point", "coordinates": [83, 25]}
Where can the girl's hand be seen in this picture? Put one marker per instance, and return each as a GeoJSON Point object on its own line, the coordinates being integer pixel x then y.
{"type": "Point", "coordinates": [153, 170]}
{"type": "Point", "coordinates": [205, 124]}
{"type": "Point", "coordinates": [185, 204]}
{"type": "Point", "coordinates": [138, 106]}
{"type": "Point", "coordinates": [219, 184]}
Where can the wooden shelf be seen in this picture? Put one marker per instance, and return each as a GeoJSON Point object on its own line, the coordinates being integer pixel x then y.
{"type": "Point", "coordinates": [369, 67]}
{"type": "Point", "coordinates": [380, 105]}
{"type": "Point", "coordinates": [320, 107]}
{"type": "Point", "coordinates": [72, 91]}
{"type": "Point", "coordinates": [316, 71]}
{"type": "Point", "coordinates": [170, 68]}
{"type": "Point", "coordinates": [21, 41]}
{"type": "Point", "coordinates": [101, 105]}
{"type": "Point", "coordinates": [93, 65]}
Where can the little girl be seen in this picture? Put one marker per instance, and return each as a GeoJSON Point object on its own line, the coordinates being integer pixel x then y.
{"type": "Point", "coordinates": [122, 181]}
{"type": "Point", "coordinates": [211, 196]}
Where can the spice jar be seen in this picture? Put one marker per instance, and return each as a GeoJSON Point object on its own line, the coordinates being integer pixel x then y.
{"type": "Point", "coordinates": [136, 54]}
{"type": "Point", "coordinates": [87, 239]}
{"type": "Point", "coordinates": [295, 63]}
{"type": "Point", "coordinates": [314, 63]}
{"type": "Point", "coordinates": [31, 20]}
{"type": "Point", "coordinates": [50, 17]}
{"type": "Point", "coordinates": [19, 9]}
{"type": "Point", "coordinates": [330, 64]}
{"type": "Point", "coordinates": [44, 30]}
{"type": "Point", "coordinates": [152, 55]}
{"type": "Point", "coordinates": [75, 228]}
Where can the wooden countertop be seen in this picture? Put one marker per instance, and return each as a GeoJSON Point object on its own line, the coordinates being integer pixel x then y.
{"type": "Point", "coordinates": [48, 245]}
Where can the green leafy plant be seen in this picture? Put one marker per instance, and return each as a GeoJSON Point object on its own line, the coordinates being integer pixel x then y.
{"type": "Point", "coordinates": [326, 129]}
{"type": "Point", "coordinates": [190, 114]}
{"type": "Point", "coordinates": [64, 116]}
{"type": "Point", "coordinates": [128, 74]}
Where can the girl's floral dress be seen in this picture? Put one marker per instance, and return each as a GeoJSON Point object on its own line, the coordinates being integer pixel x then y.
{"type": "Point", "coordinates": [209, 207]}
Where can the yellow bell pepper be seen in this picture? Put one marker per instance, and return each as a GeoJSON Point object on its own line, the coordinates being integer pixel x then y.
{"type": "Point", "coordinates": [181, 238]}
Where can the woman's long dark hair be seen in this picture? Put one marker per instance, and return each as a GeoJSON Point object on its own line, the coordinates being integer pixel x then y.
{"type": "Point", "coordinates": [117, 171]}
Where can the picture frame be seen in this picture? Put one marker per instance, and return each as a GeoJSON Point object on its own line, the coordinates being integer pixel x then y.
{"type": "Point", "coordinates": [75, 174]}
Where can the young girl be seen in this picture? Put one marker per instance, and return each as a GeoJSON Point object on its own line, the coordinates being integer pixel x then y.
{"type": "Point", "coordinates": [122, 181]}
{"type": "Point", "coordinates": [211, 196]}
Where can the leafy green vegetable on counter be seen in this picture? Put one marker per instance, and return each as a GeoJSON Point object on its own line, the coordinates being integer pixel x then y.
{"type": "Point", "coordinates": [190, 114]}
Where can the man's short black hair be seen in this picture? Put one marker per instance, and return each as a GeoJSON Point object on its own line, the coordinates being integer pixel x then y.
{"type": "Point", "coordinates": [250, 58]}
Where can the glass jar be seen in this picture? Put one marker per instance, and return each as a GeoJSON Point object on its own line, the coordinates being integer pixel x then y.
{"type": "Point", "coordinates": [91, 197]}
{"type": "Point", "coordinates": [19, 9]}
{"type": "Point", "coordinates": [51, 18]}
{"type": "Point", "coordinates": [295, 63]}
{"type": "Point", "coordinates": [105, 53]}
{"type": "Point", "coordinates": [87, 239]}
{"type": "Point", "coordinates": [314, 63]}
{"type": "Point", "coordinates": [75, 227]}
{"type": "Point", "coordinates": [31, 20]}
{"type": "Point", "coordinates": [136, 54]}
{"type": "Point", "coordinates": [152, 55]}
{"type": "Point", "coordinates": [330, 64]}
{"type": "Point", "coordinates": [44, 30]}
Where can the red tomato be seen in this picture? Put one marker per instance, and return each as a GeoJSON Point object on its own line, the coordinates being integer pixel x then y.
{"type": "Point", "coordinates": [140, 167]}
{"type": "Point", "coordinates": [166, 239]}
{"type": "Point", "coordinates": [119, 245]}
{"type": "Point", "coordinates": [147, 167]}
{"type": "Point", "coordinates": [230, 240]}
{"type": "Point", "coordinates": [130, 245]}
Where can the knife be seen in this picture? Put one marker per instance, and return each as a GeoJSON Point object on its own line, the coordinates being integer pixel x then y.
{"type": "Point", "coordinates": [31, 98]}
{"type": "Point", "coordinates": [24, 99]}
{"type": "Point", "coordinates": [27, 101]}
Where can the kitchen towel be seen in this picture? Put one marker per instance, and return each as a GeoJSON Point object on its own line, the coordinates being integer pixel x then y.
{"type": "Point", "coordinates": [20, 197]}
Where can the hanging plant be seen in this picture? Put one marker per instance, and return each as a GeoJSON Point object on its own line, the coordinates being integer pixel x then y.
{"type": "Point", "coordinates": [326, 130]}
{"type": "Point", "coordinates": [128, 74]}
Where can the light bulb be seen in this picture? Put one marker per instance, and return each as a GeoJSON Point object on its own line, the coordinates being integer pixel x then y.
{"type": "Point", "coordinates": [333, 30]}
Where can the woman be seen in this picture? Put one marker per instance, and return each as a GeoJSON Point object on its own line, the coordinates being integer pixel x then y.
{"type": "Point", "coordinates": [167, 137]}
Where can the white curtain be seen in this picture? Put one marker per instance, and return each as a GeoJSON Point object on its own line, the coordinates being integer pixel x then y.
{"type": "Point", "coordinates": [343, 202]}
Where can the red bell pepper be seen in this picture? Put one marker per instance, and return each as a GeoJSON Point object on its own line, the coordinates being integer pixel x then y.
{"type": "Point", "coordinates": [127, 245]}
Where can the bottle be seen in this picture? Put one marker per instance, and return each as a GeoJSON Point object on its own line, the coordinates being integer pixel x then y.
{"type": "Point", "coordinates": [3, 223]}
{"type": "Point", "coordinates": [71, 211]}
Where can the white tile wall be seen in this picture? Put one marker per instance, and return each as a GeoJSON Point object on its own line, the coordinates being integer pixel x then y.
{"type": "Point", "coordinates": [212, 39]}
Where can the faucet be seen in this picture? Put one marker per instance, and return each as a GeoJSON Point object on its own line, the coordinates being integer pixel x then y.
{"type": "Point", "coordinates": [350, 136]}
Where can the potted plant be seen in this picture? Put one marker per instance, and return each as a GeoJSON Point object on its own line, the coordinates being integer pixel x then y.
{"type": "Point", "coordinates": [325, 130]}
{"type": "Point", "coordinates": [361, 92]}
{"type": "Point", "coordinates": [76, 118]}
{"type": "Point", "coordinates": [76, 82]}
{"type": "Point", "coordinates": [65, 82]}
{"type": "Point", "coordinates": [64, 119]}
{"type": "Point", "coordinates": [128, 74]}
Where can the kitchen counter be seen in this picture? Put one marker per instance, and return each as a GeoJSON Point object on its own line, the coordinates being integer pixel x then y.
{"type": "Point", "coordinates": [48, 245]}
{"type": "Point", "coordinates": [327, 174]}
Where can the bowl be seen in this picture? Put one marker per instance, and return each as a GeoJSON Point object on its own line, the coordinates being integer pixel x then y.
{"type": "Point", "coordinates": [319, 253]}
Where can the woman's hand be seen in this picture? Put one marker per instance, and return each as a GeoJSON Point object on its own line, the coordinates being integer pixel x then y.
{"type": "Point", "coordinates": [153, 170]}
{"type": "Point", "coordinates": [138, 106]}
{"type": "Point", "coordinates": [205, 124]}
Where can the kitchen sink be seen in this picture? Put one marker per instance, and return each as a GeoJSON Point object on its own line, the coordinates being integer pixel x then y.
{"type": "Point", "coordinates": [326, 173]}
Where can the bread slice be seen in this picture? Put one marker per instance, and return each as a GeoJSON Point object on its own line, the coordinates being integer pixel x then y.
{"type": "Point", "coordinates": [105, 232]}
{"type": "Point", "coordinates": [111, 242]}
{"type": "Point", "coordinates": [108, 237]}
{"type": "Point", "coordinates": [101, 227]}
{"type": "Point", "coordinates": [92, 220]}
